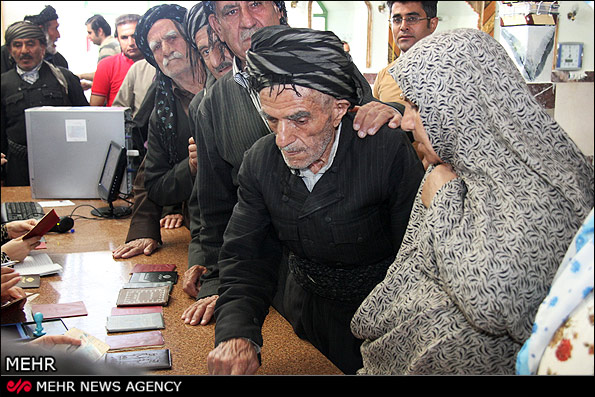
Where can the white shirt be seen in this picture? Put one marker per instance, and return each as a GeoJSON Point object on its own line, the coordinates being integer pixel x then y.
{"type": "Point", "coordinates": [310, 178]}
{"type": "Point", "coordinates": [30, 76]}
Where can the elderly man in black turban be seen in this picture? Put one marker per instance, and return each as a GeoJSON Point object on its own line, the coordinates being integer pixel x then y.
{"type": "Point", "coordinates": [160, 37]}
{"type": "Point", "coordinates": [47, 20]}
{"type": "Point", "coordinates": [32, 82]}
{"type": "Point", "coordinates": [338, 204]}
{"type": "Point", "coordinates": [228, 122]}
{"type": "Point", "coordinates": [165, 178]}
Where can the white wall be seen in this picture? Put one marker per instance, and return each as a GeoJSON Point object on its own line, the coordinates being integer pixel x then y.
{"type": "Point", "coordinates": [80, 54]}
{"type": "Point", "coordinates": [581, 30]}
{"type": "Point", "coordinates": [348, 19]}
{"type": "Point", "coordinates": [574, 112]}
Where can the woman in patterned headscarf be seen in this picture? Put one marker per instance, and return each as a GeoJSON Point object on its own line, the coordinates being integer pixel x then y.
{"type": "Point", "coordinates": [480, 253]}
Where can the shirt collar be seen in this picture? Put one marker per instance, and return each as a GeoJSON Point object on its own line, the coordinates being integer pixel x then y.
{"type": "Point", "coordinates": [240, 76]}
{"type": "Point", "coordinates": [311, 178]}
{"type": "Point", "coordinates": [184, 96]}
{"type": "Point", "coordinates": [30, 76]}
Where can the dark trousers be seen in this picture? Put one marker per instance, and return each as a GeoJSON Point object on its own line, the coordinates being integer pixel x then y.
{"type": "Point", "coordinates": [325, 323]}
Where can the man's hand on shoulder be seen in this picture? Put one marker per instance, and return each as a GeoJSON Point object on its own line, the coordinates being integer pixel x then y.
{"type": "Point", "coordinates": [370, 117]}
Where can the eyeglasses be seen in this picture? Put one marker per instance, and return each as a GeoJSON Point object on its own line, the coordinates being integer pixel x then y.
{"type": "Point", "coordinates": [411, 19]}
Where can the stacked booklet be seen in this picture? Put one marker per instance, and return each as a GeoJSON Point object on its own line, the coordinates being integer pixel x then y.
{"type": "Point", "coordinates": [139, 307]}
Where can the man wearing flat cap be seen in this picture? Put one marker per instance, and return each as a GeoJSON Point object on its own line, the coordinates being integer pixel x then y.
{"type": "Point", "coordinates": [32, 82]}
{"type": "Point", "coordinates": [338, 204]}
{"type": "Point", "coordinates": [47, 20]}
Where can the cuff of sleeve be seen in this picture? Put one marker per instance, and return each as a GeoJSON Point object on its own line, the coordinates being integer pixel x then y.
{"type": "Point", "coordinates": [208, 288]}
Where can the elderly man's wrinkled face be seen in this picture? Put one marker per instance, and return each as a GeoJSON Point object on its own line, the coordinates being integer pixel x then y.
{"type": "Point", "coordinates": [169, 48]}
{"type": "Point", "coordinates": [304, 125]}
{"type": "Point", "coordinates": [218, 63]}
{"type": "Point", "coordinates": [236, 21]}
{"type": "Point", "coordinates": [27, 53]}
{"type": "Point", "coordinates": [52, 35]}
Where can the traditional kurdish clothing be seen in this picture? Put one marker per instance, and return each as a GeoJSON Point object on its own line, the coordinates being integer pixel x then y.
{"type": "Point", "coordinates": [341, 231]}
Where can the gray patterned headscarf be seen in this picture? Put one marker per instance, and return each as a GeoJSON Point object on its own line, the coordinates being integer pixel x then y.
{"type": "Point", "coordinates": [471, 96]}
{"type": "Point", "coordinates": [476, 264]}
{"type": "Point", "coordinates": [280, 55]}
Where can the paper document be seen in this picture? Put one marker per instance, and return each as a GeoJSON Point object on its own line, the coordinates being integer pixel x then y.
{"type": "Point", "coordinates": [37, 263]}
{"type": "Point", "coordinates": [57, 203]}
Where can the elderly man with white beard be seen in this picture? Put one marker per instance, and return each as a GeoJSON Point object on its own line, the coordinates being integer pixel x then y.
{"type": "Point", "coordinates": [169, 173]}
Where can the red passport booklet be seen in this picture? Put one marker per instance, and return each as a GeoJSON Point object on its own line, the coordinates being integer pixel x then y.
{"type": "Point", "coordinates": [121, 311]}
{"type": "Point", "coordinates": [148, 267]}
{"type": "Point", "coordinates": [137, 339]}
{"type": "Point", "coordinates": [59, 310]}
{"type": "Point", "coordinates": [44, 225]}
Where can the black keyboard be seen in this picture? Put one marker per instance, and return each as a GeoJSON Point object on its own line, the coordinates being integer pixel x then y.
{"type": "Point", "coordinates": [21, 210]}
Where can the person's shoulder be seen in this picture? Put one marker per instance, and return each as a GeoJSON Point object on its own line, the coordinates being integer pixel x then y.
{"type": "Point", "coordinates": [263, 148]}
{"type": "Point", "coordinates": [221, 91]}
{"type": "Point", "coordinates": [195, 102]}
{"type": "Point", "coordinates": [112, 59]}
{"type": "Point", "coordinates": [262, 155]}
{"type": "Point", "coordinates": [224, 84]}
{"type": "Point", "coordinates": [8, 74]}
{"type": "Point", "coordinates": [143, 65]}
{"type": "Point", "coordinates": [383, 137]}
{"type": "Point", "coordinates": [111, 42]}
{"type": "Point", "coordinates": [385, 69]}
{"type": "Point", "coordinates": [67, 72]}
{"type": "Point", "coordinates": [107, 61]}
{"type": "Point", "coordinates": [7, 79]}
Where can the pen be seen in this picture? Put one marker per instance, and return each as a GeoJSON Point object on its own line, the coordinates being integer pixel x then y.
{"type": "Point", "coordinates": [9, 263]}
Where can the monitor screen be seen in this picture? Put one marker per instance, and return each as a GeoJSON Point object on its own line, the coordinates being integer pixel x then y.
{"type": "Point", "coordinates": [110, 180]}
{"type": "Point", "coordinates": [113, 172]}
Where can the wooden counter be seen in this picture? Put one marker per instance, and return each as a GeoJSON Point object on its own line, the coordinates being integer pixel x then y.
{"type": "Point", "coordinates": [91, 275]}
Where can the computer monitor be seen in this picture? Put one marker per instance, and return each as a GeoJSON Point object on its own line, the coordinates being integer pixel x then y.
{"type": "Point", "coordinates": [66, 149]}
{"type": "Point", "coordinates": [110, 180]}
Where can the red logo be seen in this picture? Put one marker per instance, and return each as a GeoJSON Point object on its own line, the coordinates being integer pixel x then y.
{"type": "Point", "coordinates": [12, 387]}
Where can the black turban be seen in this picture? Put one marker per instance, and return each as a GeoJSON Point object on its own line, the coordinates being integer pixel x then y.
{"type": "Point", "coordinates": [196, 19]}
{"type": "Point", "coordinates": [303, 57]}
{"type": "Point", "coordinates": [24, 30]}
{"type": "Point", "coordinates": [164, 11]}
{"type": "Point", "coordinates": [48, 14]}
{"type": "Point", "coordinates": [165, 106]}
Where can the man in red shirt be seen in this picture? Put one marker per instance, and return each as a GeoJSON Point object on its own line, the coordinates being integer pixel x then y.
{"type": "Point", "coordinates": [112, 70]}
